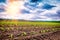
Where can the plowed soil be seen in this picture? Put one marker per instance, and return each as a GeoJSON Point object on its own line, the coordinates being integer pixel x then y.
{"type": "Point", "coordinates": [29, 33]}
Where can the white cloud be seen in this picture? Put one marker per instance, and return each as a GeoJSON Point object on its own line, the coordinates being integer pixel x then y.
{"type": "Point", "coordinates": [38, 14]}
{"type": "Point", "coordinates": [25, 16]}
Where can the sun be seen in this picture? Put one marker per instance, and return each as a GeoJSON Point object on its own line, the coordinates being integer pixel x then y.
{"type": "Point", "coordinates": [13, 8]}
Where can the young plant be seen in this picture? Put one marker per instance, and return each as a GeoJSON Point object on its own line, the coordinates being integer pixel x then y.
{"type": "Point", "coordinates": [2, 29]}
{"type": "Point", "coordinates": [24, 34]}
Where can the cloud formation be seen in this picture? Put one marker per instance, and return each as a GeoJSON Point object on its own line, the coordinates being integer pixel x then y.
{"type": "Point", "coordinates": [41, 10]}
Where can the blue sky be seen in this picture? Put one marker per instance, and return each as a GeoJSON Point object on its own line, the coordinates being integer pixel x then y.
{"type": "Point", "coordinates": [44, 10]}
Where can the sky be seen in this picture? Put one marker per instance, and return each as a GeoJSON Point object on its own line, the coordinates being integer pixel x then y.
{"type": "Point", "coordinates": [40, 10]}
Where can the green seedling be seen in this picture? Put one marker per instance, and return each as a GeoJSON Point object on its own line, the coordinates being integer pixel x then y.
{"type": "Point", "coordinates": [11, 35]}
{"type": "Point", "coordinates": [8, 28]}
{"type": "Point", "coordinates": [33, 33]}
{"type": "Point", "coordinates": [2, 29]}
{"type": "Point", "coordinates": [24, 34]}
{"type": "Point", "coordinates": [12, 28]}
{"type": "Point", "coordinates": [53, 29]}
{"type": "Point", "coordinates": [47, 30]}
{"type": "Point", "coordinates": [18, 35]}
{"type": "Point", "coordinates": [36, 27]}
{"type": "Point", "coordinates": [43, 31]}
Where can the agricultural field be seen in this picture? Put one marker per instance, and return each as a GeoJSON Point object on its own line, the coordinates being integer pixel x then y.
{"type": "Point", "coordinates": [29, 30]}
